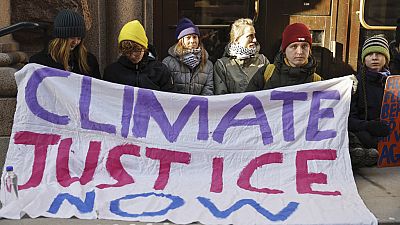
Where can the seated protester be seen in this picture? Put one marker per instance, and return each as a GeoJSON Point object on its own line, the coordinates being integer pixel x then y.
{"type": "Point", "coordinates": [241, 59]}
{"type": "Point", "coordinates": [394, 48]}
{"type": "Point", "coordinates": [293, 65]}
{"type": "Point", "coordinates": [66, 51]}
{"type": "Point", "coordinates": [188, 61]}
{"type": "Point", "coordinates": [135, 67]}
{"type": "Point", "coordinates": [364, 121]}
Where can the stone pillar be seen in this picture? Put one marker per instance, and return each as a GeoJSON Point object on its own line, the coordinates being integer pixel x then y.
{"type": "Point", "coordinates": [7, 44]}
{"type": "Point", "coordinates": [118, 13]}
{"type": "Point", "coordinates": [96, 38]}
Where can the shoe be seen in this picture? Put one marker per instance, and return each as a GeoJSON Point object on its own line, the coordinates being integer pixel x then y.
{"type": "Point", "coordinates": [357, 156]}
{"type": "Point", "coordinates": [371, 157]}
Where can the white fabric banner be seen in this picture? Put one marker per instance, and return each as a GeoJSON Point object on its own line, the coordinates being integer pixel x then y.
{"type": "Point", "coordinates": [92, 149]}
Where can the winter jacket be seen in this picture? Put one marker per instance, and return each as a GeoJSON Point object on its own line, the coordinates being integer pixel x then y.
{"type": "Point", "coordinates": [232, 75]}
{"type": "Point", "coordinates": [358, 124]}
{"type": "Point", "coordinates": [197, 81]}
{"type": "Point", "coordinates": [374, 87]}
{"type": "Point", "coordinates": [148, 73]}
{"type": "Point", "coordinates": [45, 59]}
{"type": "Point", "coordinates": [283, 75]}
{"type": "Point", "coordinates": [394, 63]}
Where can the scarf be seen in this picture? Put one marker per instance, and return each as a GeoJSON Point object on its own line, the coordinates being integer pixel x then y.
{"type": "Point", "coordinates": [241, 52]}
{"type": "Point", "coordinates": [191, 57]}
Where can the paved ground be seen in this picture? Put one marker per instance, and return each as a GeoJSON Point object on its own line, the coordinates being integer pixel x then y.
{"type": "Point", "coordinates": [378, 187]}
{"type": "Point", "coordinates": [380, 190]}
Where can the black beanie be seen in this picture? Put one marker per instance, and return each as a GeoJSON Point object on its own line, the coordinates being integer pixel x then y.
{"type": "Point", "coordinates": [398, 32]}
{"type": "Point", "coordinates": [68, 24]}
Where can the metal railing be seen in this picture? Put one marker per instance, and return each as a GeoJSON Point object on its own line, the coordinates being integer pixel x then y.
{"type": "Point", "coordinates": [17, 26]}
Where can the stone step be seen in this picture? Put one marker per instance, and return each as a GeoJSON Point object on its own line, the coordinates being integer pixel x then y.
{"type": "Point", "coordinates": [9, 47]}
{"type": "Point", "coordinates": [12, 58]}
{"type": "Point", "coordinates": [8, 87]}
{"type": "Point", "coordinates": [7, 110]}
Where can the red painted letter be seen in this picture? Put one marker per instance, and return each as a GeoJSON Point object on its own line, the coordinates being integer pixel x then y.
{"type": "Point", "coordinates": [217, 182]}
{"type": "Point", "coordinates": [305, 179]}
{"type": "Point", "coordinates": [166, 157]}
{"type": "Point", "coordinates": [41, 142]}
{"type": "Point", "coordinates": [247, 172]}
{"type": "Point", "coordinates": [115, 168]}
{"type": "Point", "coordinates": [62, 168]}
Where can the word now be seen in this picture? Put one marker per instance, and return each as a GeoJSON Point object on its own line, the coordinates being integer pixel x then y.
{"type": "Point", "coordinates": [166, 158]}
{"type": "Point", "coordinates": [86, 206]}
{"type": "Point", "coordinates": [148, 106]}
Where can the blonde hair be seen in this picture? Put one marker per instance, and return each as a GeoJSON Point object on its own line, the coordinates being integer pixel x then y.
{"type": "Point", "coordinates": [60, 51]}
{"type": "Point", "coordinates": [179, 50]}
{"type": "Point", "coordinates": [238, 26]}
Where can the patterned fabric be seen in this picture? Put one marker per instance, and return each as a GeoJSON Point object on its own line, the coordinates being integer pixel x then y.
{"type": "Point", "coordinates": [377, 43]}
{"type": "Point", "coordinates": [241, 52]}
{"type": "Point", "coordinates": [192, 57]}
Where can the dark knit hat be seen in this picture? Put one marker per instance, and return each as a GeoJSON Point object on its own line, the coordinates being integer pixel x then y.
{"type": "Point", "coordinates": [295, 32]}
{"type": "Point", "coordinates": [68, 24]}
{"type": "Point", "coordinates": [377, 43]}
{"type": "Point", "coordinates": [185, 27]}
{"type": "Point", "coordinates": [397, 38]}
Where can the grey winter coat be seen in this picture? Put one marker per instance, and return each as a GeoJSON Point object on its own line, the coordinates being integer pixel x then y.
{"type": "Point", "coordinates": [232, 75]}
{"type": "Point", "coordinates": [197, 81]}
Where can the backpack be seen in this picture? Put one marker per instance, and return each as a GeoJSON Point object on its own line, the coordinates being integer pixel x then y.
{"type": "Point", "coordinates": [270, 69]}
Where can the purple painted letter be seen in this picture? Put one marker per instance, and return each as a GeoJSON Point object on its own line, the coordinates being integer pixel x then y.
{"type": "Point", "coordinates": [312, 133]}
{"type": "Point", "coordinates": [148, 106]}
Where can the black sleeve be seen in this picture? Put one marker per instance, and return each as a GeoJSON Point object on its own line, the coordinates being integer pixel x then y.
{"type": "Point", "coordinates": [355, 123]}
{"type": "Point", "coordinates": [94, 66]}
{"type": "Point", "coordinates": [257, 82]}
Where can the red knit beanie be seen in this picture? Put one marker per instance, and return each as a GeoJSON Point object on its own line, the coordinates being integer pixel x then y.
{"type": "Point", "coordinates": [295, 32]}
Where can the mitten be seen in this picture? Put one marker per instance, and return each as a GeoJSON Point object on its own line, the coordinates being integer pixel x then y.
{"type": "Point", "coordinates": [378, 128]}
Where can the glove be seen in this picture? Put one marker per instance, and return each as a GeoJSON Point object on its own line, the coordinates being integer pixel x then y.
{"type": "Point", "coordinates": [355, 83]}
{"type": "Point", "coordinates": [378, 128]}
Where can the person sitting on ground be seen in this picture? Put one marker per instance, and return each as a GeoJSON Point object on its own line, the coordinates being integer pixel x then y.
{"type": "Point", "coordinates": [135, 67]}
{"type": "Point", "coordinates": [242, 59]}
{"type": "Point", "coordinates": [188, 61]}
{"type": "Point", "coordinates": [66, 51]}
{"type": "Point", "coordinates": [293, 65]}
{"type": "Point", "coordinates": [365, 125]}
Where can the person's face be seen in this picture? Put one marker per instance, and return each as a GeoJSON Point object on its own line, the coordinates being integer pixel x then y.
{"type": "Point", "coordinates": [137, 53]}
{"type": "Point", "coordinates": [74, 41]}
{"type": "Point", "coordinates": [248, 39]}
{"type": "Point", "coordinates": [190, 41]}
{"type": "Point", "coordinates": [375, 61]}
{"type": "Point", "coordinates": [297, 53]}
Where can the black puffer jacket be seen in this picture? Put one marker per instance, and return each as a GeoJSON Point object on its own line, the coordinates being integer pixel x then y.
{"type": "Point", "coordinates": [283, 75]}
{"type": "Point", "coordinates": [45, 59]}
{"type": "Point", "coordinates": [196, 81]}
{"type": "Point", "coordinates": [148, 73]}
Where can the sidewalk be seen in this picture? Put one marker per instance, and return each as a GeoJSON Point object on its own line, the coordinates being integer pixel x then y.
{"type": "Point", "coordinates": [380, 190]}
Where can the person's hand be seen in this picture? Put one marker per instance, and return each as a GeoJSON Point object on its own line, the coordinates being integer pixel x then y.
{"type": "Point", "coordinates": [378, 128]}
{"type": "Point", "coordinates": [355, 83]}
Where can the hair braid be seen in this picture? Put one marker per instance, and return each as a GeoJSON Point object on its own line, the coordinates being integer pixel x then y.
{"type": "Point", "coordinates": [363, 82]}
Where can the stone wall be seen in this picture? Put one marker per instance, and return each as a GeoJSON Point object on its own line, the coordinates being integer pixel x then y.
{"type": "Point", "coordinates": [104, 20]}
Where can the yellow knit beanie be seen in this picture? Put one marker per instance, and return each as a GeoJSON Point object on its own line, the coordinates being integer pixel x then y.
{"type": "Point", "coordinates": [133, 31]}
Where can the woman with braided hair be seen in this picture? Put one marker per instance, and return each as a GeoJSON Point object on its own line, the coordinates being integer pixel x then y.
{"type": "Point", "coordinates": [365, 125]}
